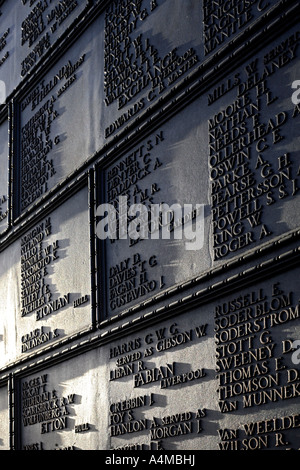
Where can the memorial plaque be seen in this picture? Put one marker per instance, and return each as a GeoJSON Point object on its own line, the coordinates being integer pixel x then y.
{"type": "Point", "coordinates": [233, 173]}
{"type": "Point", "coordinates": [149, 226]}
{"type": "Point", "coordinates": [28, 30]}
{"type": "Point", "coordinates": [55, 297]}
{"type": "Point", "coordinates": [149, 47]}
{"type": "Point", "coordinates": [64, 116]}
{"type": "Point", "coordinates": [149, 251]}
{"type": "Point", "coordinates": [3, 177]}
{"type": "Point", "coordinates": [224, 376]}
{"type": "Point", "coordinates": [56, 129]}
{"type": "Point", "coordinates": [52, 298]}
{"type": "Point", "coordinates": [60, 407]}
{"type": "Point", "coordinates": [4, 421]}
{"type": "Point", "coordinates": [253, 147]}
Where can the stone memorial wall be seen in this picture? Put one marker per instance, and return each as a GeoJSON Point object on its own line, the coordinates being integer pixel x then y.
{"type": "Point", "coordinates": [149, 225]}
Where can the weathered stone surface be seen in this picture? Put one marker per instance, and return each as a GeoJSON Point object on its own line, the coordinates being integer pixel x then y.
{"type": "Point", "coordinates": [149, 225]}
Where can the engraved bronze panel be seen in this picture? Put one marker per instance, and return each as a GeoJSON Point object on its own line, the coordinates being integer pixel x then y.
{"type": "Point", "coordinates": [149, 226]}
{"type": "Point", "coordinates": [28, 30]}
{"type": "Point", "coordinates": [55, 298]}
{"type": "Point", "coordinates": [223, 21]}
{"type": "Point", "coordinates": [149, 47]}
{"type": "Point", "coordinates": [223, 376]}
{"type": "Point", "coordinates": [232, 154]}
{"type": "Point", "coordinates": [253, 146]}
{"type": "Point", "coordinates": [59, 409]}
{"type": "Point", "coordinates": [52, 299]}
{"type": "Point", "coordinates": [143, 261]}
{"type": "Point", "coordinates": [56, 120]}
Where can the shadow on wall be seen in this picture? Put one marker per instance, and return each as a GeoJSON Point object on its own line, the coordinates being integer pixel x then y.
{"type": "Point", "coordinates": [2, 92]}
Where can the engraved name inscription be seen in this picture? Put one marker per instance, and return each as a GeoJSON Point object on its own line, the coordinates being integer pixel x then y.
{"type": "Point", "coordinates": [124, 419]}
{"type": "Point", "coordinates": [222, 20]}
{"type": "Point", "coordinates": [130, 357]}
{"type": "Point", "coordinates": [44, 407]}
{"type": "Point", "coordinates": [45, 19]}
{"type": "Point", "coordinates": [37, 139]}
{"type": "Point", "coordinates": [132, 64]}
{"type": "Point", "coordinates": [132, 176]}
{"type": "Point", "coordinates": [129, 281]}
{"type": "Point", "coordinates": [37, 337]}
{"type": "Point", "coordinates": [36, 257]}
{"type": "Point", "coordinates": [124, 178]}
{"type": "Point", "coordinates": [250, 369]}
{"type": "Point", "coordinates": [259, 435]}
{"type": "Point", "coordinates": [248, 174]}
